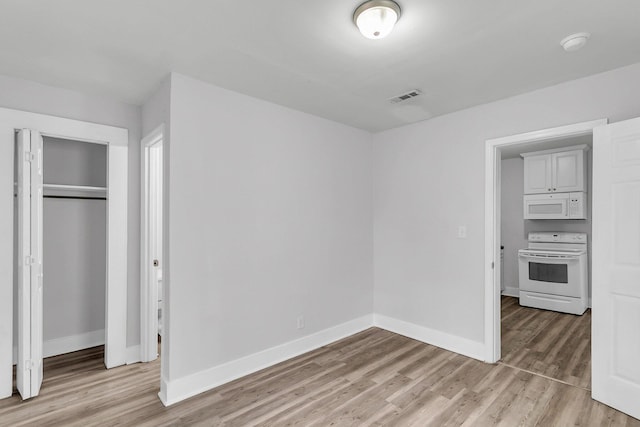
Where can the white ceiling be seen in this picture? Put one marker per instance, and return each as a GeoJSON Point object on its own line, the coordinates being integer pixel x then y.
{"type": "Point", "coordinates": [309, 56]}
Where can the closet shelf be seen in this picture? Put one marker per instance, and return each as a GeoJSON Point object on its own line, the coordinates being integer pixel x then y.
{"type": "Point", "coordinates": [74, 191]}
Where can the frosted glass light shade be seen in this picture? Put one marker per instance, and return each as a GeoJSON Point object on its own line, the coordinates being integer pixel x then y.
{"type": "Point", "coordinates": [574, 41]}
{"type": "Point", "coordinates": [376, 18]}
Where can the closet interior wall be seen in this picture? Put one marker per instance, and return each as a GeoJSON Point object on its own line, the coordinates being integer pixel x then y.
{"type": "Point", "coordinates": [74, 246]}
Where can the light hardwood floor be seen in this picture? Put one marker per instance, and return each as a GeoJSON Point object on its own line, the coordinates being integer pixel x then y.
{"type": "Point", "coordinates": [549, 343]}
{"type": "Point", "coordinates": [374, 378]}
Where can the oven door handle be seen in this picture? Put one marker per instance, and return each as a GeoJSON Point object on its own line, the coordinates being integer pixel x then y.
{"type": "Point", "coordinates": [548, 256]}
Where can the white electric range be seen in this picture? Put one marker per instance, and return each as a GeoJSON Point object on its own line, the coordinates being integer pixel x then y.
{"type": "Point", "coordinates": [553, 272]}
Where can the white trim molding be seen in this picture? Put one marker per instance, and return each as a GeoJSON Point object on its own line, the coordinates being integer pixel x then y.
{"type": "Point", "coordinates": [182, 388]}
{"type": "Point", "coordinates": [63, 345]}
{"type": "Point", "coordinates": [72, 343]}
{"type": "Point", "coordinates": [466, 347]}
{"type": "Point", "coordinates": [493, 149]}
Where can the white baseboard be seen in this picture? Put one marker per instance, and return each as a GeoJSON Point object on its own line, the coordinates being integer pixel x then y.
{"type": "Point", "coordinates": [133, 355]}
{"type": "Point", "coordinates": [466, 347]}
{"type": "Point", "coordinates": [511, 291]}
{"type": "Point", "coordinates": [172, 392]}
{"type": "Point", "coordinates": [72, 343]}
{"type": "Point", "coordinates": [162, 395]}
{"type": "Point", "coordinates": [57, 346]}
{"type": "Point", "coordinates": [64, 345]}
{"type": "Point", "coordinates": [182, 388]}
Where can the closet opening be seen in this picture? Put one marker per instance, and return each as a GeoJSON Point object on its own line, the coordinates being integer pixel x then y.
{"type": "Point", "coordinates": [74, 244]}
{"type": "Point", "coordinates": [60, 222]}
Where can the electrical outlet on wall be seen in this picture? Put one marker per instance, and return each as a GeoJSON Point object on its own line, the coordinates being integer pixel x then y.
{"type": "Point", "coordinates": [462, 232]}
{"type": "Point", "coordinates": [300, 322]}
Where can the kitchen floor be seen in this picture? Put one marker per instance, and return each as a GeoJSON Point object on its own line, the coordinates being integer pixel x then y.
{"type": "Point", "coordinates": [548, 343]}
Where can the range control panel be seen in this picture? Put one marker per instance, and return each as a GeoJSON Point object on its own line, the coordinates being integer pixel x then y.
{"type": "Point", "coordinates": [559, 237]}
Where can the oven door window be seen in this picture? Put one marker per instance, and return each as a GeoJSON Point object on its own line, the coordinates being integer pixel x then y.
{"type": "Point", "coordinates": [552, 273]}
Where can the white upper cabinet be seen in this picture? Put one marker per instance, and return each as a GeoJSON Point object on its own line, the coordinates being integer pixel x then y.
{"type": "Point", "coordinates": [556, 171]}
{"type": "Point", "coordinates": [569, 171]}
{"type": "Point", "coordinates": [537, 174]}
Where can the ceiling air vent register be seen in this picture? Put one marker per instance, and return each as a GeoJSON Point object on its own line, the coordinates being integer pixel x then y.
{"type": "Point", "coordinates": [405, 96]}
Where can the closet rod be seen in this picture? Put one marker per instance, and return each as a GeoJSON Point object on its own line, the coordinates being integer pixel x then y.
{"type": "Point", "coordinates": [75, 197]}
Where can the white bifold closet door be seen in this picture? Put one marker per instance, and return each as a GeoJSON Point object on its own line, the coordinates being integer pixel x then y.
{"type": "Point", "coordinates": [29, 162]}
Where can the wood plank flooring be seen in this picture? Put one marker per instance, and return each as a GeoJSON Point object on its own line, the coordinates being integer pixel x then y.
{"type": "Point", "coordinates": [557, 345]}
{"type": "Point", "coordinates": [374, 378]}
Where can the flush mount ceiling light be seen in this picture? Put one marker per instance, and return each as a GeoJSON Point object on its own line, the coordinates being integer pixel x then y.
{"type": "Point", "coordinates": [375, 18]}
{"type": "Point", "coordinates": [574, 41]}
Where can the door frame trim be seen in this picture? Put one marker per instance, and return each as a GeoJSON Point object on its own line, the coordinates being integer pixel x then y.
{"type": "Point", "coordinates": [148, 295]}
{"type": "Point", "coordinates": [117, 141]}
{"type": "Point", "coordinates": [493, 151]}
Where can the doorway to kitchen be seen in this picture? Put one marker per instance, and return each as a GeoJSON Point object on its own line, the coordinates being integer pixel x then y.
{"type": "Point", "coordinates": [616, 254]}
{"type": "Point", "coordinates": [529, 338]}
{"type": "Point", "coordinates": [545, 267]}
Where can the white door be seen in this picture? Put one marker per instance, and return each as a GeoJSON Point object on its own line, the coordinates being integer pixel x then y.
{"type": "Point", "coordinates": [151, 295]}
{"type": "Point", "coordinates": [616, 266]}
{"type": "Point", "coordinates": [29, 364]}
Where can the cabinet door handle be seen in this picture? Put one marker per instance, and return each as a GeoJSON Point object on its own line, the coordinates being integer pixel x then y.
{"type": "Point", "coordinates": [554, 189]}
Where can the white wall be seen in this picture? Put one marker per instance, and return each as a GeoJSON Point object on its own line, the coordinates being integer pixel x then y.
{"type": "Point", "coordinates": [37, 98]}
{"type": "Point", "coordinates": [270, 219]}
{"type": "Point", "coordinates": [157, 108]}
{"type": "Point", "coordinates": [74, 268]}
{"type": "Point", "coordinates": [429, 178]}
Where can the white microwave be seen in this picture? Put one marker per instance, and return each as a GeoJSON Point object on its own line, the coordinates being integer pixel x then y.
{"type": "Point", "coordinates": [555, 206]}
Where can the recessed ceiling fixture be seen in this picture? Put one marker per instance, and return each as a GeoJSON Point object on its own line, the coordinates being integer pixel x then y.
{"type": "Point", "coordinates": [574, 41]}
{"type": "Point", "coordinates": [375, 18]}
